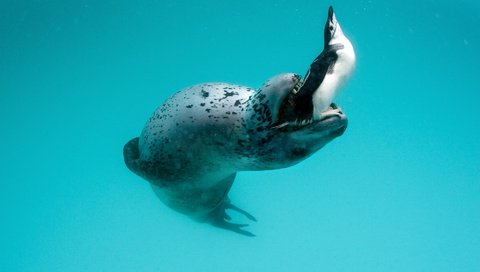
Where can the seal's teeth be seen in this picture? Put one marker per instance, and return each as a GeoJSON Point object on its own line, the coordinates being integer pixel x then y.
{"type": "Point", "coordinates": [297, 86]}
{"type": "Point", "coordinates": [280, 126]}
{"type": "Point", "coordinates": [293, 125]}
{"type": "Point", "coordinates": [301, 123]}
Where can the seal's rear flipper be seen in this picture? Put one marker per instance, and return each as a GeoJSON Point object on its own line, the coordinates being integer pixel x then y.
{"type": "Point", "coordinates": [131, 154]}
{"type": "Point", "coordinates": [219, 217]}
{"type": "Point", "coordinates": [221, 223]}
{"type": "Point", "coordinates": [237, 209]}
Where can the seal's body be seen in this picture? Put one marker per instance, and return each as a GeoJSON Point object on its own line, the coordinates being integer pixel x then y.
{"type": "Point", "coordinates": [194, 143]}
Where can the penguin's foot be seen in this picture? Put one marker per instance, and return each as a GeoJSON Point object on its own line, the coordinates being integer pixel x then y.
{"type": "Point", "coordinates": [332, 111]}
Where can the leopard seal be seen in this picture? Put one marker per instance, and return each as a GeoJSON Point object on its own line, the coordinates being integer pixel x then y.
{"type": "Point", "coordinates": [195, 142]}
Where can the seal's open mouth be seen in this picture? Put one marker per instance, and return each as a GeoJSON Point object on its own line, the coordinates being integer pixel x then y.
{"type": "Point", "coordinates": [296, 111]}
{"type": "Point", "coordinates": [332, 117]}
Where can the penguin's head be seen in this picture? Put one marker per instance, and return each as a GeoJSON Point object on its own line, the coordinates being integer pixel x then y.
{"type": "Point", "coordinates": [334, 38]}
{"type": "Point", "coordinates": [333, 32]}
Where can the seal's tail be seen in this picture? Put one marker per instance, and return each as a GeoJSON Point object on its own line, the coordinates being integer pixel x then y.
{"type": "Point", "coordinates": [131, 154]}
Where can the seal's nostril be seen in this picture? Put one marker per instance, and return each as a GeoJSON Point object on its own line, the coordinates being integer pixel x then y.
{"type": "Point", "coordinates": [334, 106]}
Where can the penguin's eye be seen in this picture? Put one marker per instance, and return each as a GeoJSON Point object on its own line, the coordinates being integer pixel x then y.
{"type": "Point", "coordinates": [331, 28]}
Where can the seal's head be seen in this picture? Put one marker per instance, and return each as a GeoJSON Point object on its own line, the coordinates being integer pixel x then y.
{"type": "Point", "coordinates": [286, 143]}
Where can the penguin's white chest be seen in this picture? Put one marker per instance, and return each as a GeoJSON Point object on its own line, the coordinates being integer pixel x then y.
{"type": "Point", "coordinates": [334, 80]}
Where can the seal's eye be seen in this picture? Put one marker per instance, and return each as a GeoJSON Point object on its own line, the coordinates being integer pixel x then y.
{"type": "Point", "coordinates": [331, 28]}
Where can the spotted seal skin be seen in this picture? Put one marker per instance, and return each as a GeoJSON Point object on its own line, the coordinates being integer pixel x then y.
{"type": "Point", "coordinates": [194, 144]}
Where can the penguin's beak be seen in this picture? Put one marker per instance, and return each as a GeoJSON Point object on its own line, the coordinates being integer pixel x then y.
{"type": "Point", "coordinates": [331, 15]}
{"type": "Point", "coordinates": [330, 27]}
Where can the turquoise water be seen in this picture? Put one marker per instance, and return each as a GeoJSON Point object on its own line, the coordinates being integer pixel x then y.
{"type": "Point", "coordinates": [399, 191]}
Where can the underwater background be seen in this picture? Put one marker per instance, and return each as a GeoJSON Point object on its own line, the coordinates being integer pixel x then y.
{"type": "Point", "coordinates": [399, 191]}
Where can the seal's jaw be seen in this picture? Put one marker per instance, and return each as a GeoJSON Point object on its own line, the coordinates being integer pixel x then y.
{"type": "Point", "coordinates": [332, 122]}
{"type": "Point", "coordinates": [293, 141]}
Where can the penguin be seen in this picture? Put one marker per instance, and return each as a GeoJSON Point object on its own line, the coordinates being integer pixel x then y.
{"type": "Point", "coordinates": [313, 96]}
